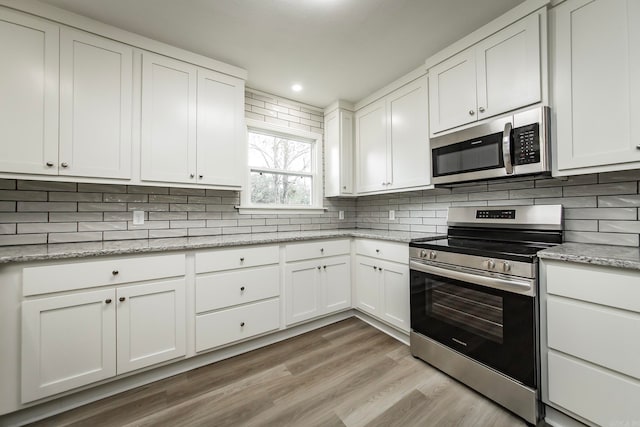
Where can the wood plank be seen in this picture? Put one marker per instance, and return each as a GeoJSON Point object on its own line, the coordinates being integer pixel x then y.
{"type": "Point", "coordinates": [347, 374]}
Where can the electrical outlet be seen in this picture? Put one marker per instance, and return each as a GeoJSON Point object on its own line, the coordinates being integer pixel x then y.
{"type": "Point", "coordinates": [138, 217]}
{"type": "Point", "coordinates": [392, 215]}
{"type": "Point", "coordinates": [340, 214]}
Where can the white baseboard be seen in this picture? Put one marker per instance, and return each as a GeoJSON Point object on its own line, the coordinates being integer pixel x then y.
{"type": "Point", "coordinates": [559, 419]}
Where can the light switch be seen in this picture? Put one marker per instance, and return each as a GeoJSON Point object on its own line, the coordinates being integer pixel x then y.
{"type": "Point", "coordinates": [138, 217]}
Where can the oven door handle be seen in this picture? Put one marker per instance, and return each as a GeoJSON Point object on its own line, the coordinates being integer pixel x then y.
{"type": "Point", "coordinates": [523, 287]}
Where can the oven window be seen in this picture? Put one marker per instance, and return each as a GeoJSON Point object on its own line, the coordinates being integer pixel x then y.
{"type": "Point", "coordinates": [476, 312]}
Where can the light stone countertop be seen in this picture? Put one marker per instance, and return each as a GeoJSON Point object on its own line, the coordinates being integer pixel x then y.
{"type": "Point", "coordinates": [606, 255]}
{"type": "Point", "coordinates": [121, 247]}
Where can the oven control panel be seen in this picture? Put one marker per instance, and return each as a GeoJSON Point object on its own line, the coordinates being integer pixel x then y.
{"type": "Point", "coordinates": [496, 214]}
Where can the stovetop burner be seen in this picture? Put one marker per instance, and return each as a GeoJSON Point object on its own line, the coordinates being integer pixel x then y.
{"type": "Point", "coordinates": [512, 251]}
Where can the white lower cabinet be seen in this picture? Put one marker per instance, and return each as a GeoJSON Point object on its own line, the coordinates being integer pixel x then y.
{"type": "Point", "coordinates": [72, 340]}
{"type": "Point", "coordinates": [317, 287]}
{"type": "Point", "coordinates": [382, 281]}
{"type": "Point", "coordinates": [237, 295]}
{"type": "Point", "coordinates": [590, 342]}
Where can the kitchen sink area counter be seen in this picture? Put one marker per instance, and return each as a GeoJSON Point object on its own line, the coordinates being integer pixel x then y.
{"type": "Point", "coordinates": [24, 253]}
{"type": "Point", "coordinates": [604, 255]}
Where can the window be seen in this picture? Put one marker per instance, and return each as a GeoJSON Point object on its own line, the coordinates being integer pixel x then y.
{"type": "Point", "coordinates": [283, 169]}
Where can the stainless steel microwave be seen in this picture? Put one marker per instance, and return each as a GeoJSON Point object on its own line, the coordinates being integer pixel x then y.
{"type": "Point", "coordinates": [517, 144]}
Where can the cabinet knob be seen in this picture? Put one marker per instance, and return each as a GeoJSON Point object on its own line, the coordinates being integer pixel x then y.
{"type": "Point", "coordinates": [242, 259]}
{"type": "Point", "coordinates": [471, 112]}
{"type": "Point", "coordinates": [377, 251]}
{"type": "Point", "coordinates": [242, 289]}
{"type": "Point", "coordinates": [322, 250]}
{"type": "Point", "coordinates": [121, 299]}
{"type": "Point", "coordinates": [319, 267]}
{"type": "Point", "coordinates": [192, 175]}
{"type": "Point", "coordinates": [200, 176]}
{"type": "Point", "coordinates": [49, 164]}
{"type": "Point", "coordinates": [383, 183]}
{"type": "Point", "coordinates": [64, 164]}
{"type": "Point", "coordinates": [324, 266]}
{"type": "Point", "coordinates": [375, 268]}
{"type": "Point", "coordinates": [107, 301]}
{"type": "Point", "coordinates": [481, 109]}
{"type": "Point", "coordinates": [344, 187]}
{"type": "Point", "coordinates": [241, 324]}
{"type": "Point", "coordinates": [115, 272]}
{"type": "Point", "coordinates": [380, 269]}
{"type": "Point", "coordinates": [638, 147]}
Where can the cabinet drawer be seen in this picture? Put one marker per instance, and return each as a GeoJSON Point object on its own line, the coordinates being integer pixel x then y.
{"type": "Point", "coordinates": [227, 259]}
{"type": "Point", "coordinates": [113, 271]}
{"type": "Point", "coordinates": [601, 285]}
{"type": "Point", "coordinates": [593, 393]}
{"type": "Point", "coordinates": [320, 249]}
{"type": "Point", "coordinates": [226, 289]}
{"type": "Point", "coordinates": [598, 334]}
{"type": "Point", "coordinates": [388, 251]}
{"type": "Point", "coordinates": [234, 324]}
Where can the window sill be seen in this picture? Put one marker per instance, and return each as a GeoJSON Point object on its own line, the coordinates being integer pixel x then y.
{"type": "Point", "coordinates": [248, 210]}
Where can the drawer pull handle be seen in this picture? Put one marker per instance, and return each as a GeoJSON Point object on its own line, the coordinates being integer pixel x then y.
{"type": "Point", "coordinates": [242, 289]}
{"type": "Point", "coordinates": [242, 259]}
{"type": "Point", "coordinates": [107, 301]}
{"type": "Point", "coordinates": [115, 272]}
{"type": "Point", "coordinates": [242, 324]}
{"type": "Point", "coordinates": [121, 299]}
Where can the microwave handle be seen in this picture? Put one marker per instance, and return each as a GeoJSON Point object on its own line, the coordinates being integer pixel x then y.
{"type": "Point", "coordinates": [506, 148]}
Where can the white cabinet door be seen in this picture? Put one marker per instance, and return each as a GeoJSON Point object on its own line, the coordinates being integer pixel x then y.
{"type": "Point", "coordinates": [409, 157]}
{"type": "Point", "coordinates": [367, 285]}
{"type": "Point", "coordinates": [338, 153]}
{"type": "Point", "coordinates": [371, 143]}
{"type": "Point", "coordinates": [96, 93]}
{"type": "Point", "coordinates": [596, 89]}
{"type": "Point", "coordinates": [168, 145]}
{"type": "Point", "coordinates": [452, 92]}
{"type": "Point", "coordinates": [28, 94]}
{"type": "Point", "coordinates": [67, 342]}
{"type": "Point", "coordinates": [336, 283]}
{"type": "Point", "coordinates": [302, 291]}
{"type": "Point", "coordinates": [220, 129]}
{"type": "Point", "coordinates": [395, 294]}
{"type": "Point", "coordinates": [151, 324]}
{"type": "Point", "coordinates": [508, 68]}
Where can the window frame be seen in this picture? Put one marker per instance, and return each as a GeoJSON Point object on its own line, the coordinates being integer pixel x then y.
{"type": "Point", "coordinates": [316, 140]}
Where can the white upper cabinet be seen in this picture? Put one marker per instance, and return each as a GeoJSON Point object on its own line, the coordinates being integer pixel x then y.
{"type": "Point", "coordinates": [28, 94]}
{"type": "Point", "coordinates": [596, 88]}
{"type": "Point", "coordinates": [499, 74]}
{"type": "Point", "coordinates": [96, 77]}
{"type": "Point", "coordinates": [192, 124]}
{"type": "Point", "coordinates": [392, 141]}
{"type": "Point", "coordinates": [371, 147]}
{"type": "Point", "coordinates": [168, 145]}
{"type": "Point", "coordinates": [220, 129]}
{"type": "Point", "coordinates": [338, 153]}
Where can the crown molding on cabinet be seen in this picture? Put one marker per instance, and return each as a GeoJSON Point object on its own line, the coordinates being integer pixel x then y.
{"type": "Point", "coordinates": [340, 103]}
{"type": "Point", "coordinates": [64, 17]}
{"type": "Point", "coordinates": [485, 31]}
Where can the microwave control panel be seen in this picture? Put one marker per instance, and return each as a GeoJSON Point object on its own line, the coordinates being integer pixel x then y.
{"type": "Point", "coordinates": [526, 144]}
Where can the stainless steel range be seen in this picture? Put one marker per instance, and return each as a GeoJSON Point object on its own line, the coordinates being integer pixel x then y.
{"type": "Point", "coordinates": [474, 307]}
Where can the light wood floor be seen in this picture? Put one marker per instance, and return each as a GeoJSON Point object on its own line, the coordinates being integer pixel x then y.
{"type": "Point", "coordinates": [346, 374]}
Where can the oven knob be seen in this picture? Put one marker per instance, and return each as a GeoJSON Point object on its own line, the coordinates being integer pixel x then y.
{"type": "Point", "coordinates": [506, 266]}
{"type": "Point", "coordinates": [491, 264]}
{"type": "Point", "coordinates": [433, 255]}
{"type": "Point", "coordinates": [423, 253]}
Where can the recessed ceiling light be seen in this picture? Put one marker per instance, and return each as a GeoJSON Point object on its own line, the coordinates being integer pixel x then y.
{"type": "Point", "coordinates": [296, 87]}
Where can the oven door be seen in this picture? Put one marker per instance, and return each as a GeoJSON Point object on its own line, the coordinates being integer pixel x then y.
{"type": "Point", "coordinates": [489, 318]}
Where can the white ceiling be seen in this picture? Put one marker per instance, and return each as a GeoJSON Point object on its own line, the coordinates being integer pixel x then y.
{"type": "Point", "coordinates": [343, 49]}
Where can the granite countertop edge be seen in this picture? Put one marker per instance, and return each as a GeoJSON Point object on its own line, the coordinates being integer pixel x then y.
{"type": "Point", "coordinates": [25, 253]}
{"type": "Point", "coordinates": [586, 253]}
